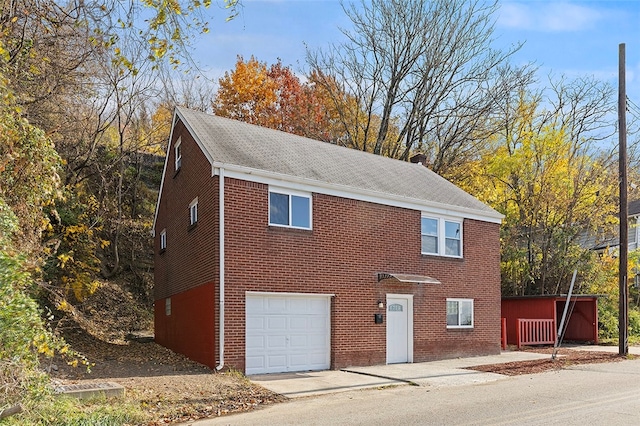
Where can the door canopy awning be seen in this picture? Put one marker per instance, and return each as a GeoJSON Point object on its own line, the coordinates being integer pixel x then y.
{"type": "Point", "coordinates": [407, 278]}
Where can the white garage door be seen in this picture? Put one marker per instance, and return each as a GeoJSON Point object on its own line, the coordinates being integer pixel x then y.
{"type": "Point", "coordinates": [288, 332]}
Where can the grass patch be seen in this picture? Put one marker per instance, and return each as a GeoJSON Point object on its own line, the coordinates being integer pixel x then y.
{"type": "Point", "coordinates": [66, 411]}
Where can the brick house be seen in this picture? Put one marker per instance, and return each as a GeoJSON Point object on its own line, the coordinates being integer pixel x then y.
{"type": "Point", "coordinates": [275, 253]}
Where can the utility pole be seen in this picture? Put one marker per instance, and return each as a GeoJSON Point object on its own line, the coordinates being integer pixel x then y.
{"type": "Point", "coordinates": [623, 305]}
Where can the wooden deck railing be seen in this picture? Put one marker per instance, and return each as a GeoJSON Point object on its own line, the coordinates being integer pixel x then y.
{"type": "Point", "coordinates": [535, 332]}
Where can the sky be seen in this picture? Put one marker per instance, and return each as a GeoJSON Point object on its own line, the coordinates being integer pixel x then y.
{"type": "Point", "coordinates": [574, 38]}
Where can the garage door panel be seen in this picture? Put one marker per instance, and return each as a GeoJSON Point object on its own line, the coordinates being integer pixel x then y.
{"type": "Point", "coordinates": [255, 363]}
{"type": "Point", "coordinates": [318, 358]}
{"type": "Point", "coordinates": [299, 361]}
{"type": "Point", "coordinates": [298, 322]}
{"type": "Point", "coordinates": [298, 306]}
{"type": "Point", "coordinates": [287, 333]}
{"type": "Point", "coordinates": [276, 305]}
{"type": "Point", "coordinates": [276, 323]}
{"type": "Point", "coordinates": [255, 323]}
{"type": "Point", "coordinates": [298, 341]}
{"type": "Point", "coordinates": [254, 304]}
{"type": "Point", "coordinates": [277, 342]}
{"type": "Point", "coordinates": [256, 342]}
{"type": "Point", "coordinates": [316, 341]}
{"type": "Point", "coordinates": [276, 363]}
{"type": "Point", "coordinates": [318, 306]}
{"type": "Point", "coordinates": [318, 324]}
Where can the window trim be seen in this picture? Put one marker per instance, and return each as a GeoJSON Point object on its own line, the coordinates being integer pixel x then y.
{"type": "Point", "coordinates": [177, 152]}
{"type": "Point", "coordinates": [441, 235]}
{"type": "Point", "coordinates": [163, 240]}
{"type": "Point", "coordinates": [193, 212]}
{"type": "Point", "coordinates": [460, 300]}
{"type": "Point", "coordinates": [289, 193]}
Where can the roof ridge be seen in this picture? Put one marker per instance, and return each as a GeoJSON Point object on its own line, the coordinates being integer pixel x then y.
{"type": "Point", "coordinates": [226, 141]}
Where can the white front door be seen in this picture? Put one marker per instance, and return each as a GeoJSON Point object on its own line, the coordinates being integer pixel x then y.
{"type": "Point", "coordinates": [399, 328]}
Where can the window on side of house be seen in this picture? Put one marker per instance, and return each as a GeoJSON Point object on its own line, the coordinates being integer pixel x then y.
{"type": "Point", "coordinates": [441, 236]}
{"type": "Point", "coordinates": [452, 238]}
{"type": "Point", "coordinates": [163, 239]}
{"type": "Point", "coordinates": [289, 209]}
{"type": "Point", "coordinates": [167, 306]}
{"type": "Point", "coordinates": [459, 313]}
{"type": "Point", "coordinates": [430, 235]}
{"type": "Point", "coordinates": [178, 154]}
{"type": "Point", "coordinates": [193, 212]}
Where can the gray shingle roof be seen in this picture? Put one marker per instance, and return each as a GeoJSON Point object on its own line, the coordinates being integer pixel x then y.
{"type": "Point", "coordinates": [232, 142]}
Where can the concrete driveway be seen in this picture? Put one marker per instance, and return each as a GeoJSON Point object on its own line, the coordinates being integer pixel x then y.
{"type": "Point", "coordinates": [450, 372]}
{"type": "Point", "coordinates": [585, 394]}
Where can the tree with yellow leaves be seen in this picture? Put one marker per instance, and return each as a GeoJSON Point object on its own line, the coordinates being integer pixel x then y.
{"type": "Point", "coordinates": [554, 192]}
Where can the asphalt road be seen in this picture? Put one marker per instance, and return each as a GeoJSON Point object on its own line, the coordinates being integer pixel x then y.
{"type": "Point", "coordinates": [597, 394]}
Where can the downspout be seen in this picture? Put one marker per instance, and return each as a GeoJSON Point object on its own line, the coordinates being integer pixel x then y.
{"type": "Point", "coordinates": [221, 254]}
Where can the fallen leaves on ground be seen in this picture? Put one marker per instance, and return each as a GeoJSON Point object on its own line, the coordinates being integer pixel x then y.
{"type": "Point", "coordinates": [565, 358]}
{"type": "Point", "coordinates": [168, 386]}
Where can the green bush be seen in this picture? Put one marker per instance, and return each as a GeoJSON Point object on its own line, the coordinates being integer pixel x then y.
{"type": "Point", "coordinates": [608, 321]}
{"type": "Point", "coordinates": [24, 337]}
{"type": "Point", "coordinates": [23, 333]}
{"type": "Point", "coordinates": [634, 323]}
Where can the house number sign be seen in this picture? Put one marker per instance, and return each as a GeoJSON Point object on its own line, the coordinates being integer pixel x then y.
{"type": "Point", "coordinates": [395, 307]}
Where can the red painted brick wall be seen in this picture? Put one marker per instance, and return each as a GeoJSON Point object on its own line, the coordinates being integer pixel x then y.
{"type": "Point", "coordinates": [350, 242]}
{"type": "Point", "coordinates": [189, 329]}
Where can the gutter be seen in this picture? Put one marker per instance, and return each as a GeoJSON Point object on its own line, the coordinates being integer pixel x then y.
{"type": "Point", "coordinates": [221, 254]}
{"type": "Point", "coordinates": [341, 190]}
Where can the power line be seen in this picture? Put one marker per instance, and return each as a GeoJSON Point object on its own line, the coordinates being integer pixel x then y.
{"type": "Point", "coordinates": [632, 108]}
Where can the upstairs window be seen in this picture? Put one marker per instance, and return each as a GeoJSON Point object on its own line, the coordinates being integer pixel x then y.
{"type": "Point", "coordinates": [193, 212]}
{"type": "Point", "coordinates": [441, 237]}
{"type": "Point", "coordinates": [290, 209]}
{"type": "Point", "coordinates": [452, 238]}
{"type": "Point", "coordinates": [163, 239]}
{"type": "Point", "coordinates": [459, 313]}
{"type": "Point", "coordinates": [430, 235]}
{"type": "Point", "coordinates": [178, 154]}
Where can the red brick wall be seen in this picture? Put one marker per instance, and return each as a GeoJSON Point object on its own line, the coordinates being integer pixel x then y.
{"type": "Point", "coordinates": [350, 242]}
{"type": "Point", "coordinates": [191, 257]}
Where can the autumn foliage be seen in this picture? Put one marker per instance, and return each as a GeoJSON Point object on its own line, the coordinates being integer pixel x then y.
{"type": "Point", "coordinates": [273, 97]}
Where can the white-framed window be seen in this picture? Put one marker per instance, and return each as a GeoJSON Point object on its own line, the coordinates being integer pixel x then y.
{"type": "Point", "coordinates": [289, 208]}
{"type": "Point", "coordinates": [441, 236]}
{"type": "Point", "coordinates": [459, 313]}
{"type": "Point", "coordinates": [178, 154]}
{"type": "Point", "coordinates": [193, 212]}
{"type": "Point", "coordinates": [167, 306]}
{"type": "Point", "coordinates": [163, 239]}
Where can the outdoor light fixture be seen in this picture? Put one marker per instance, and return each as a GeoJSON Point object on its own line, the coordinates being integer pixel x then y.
{"type": "Point", "coordinates": [380, 304]}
